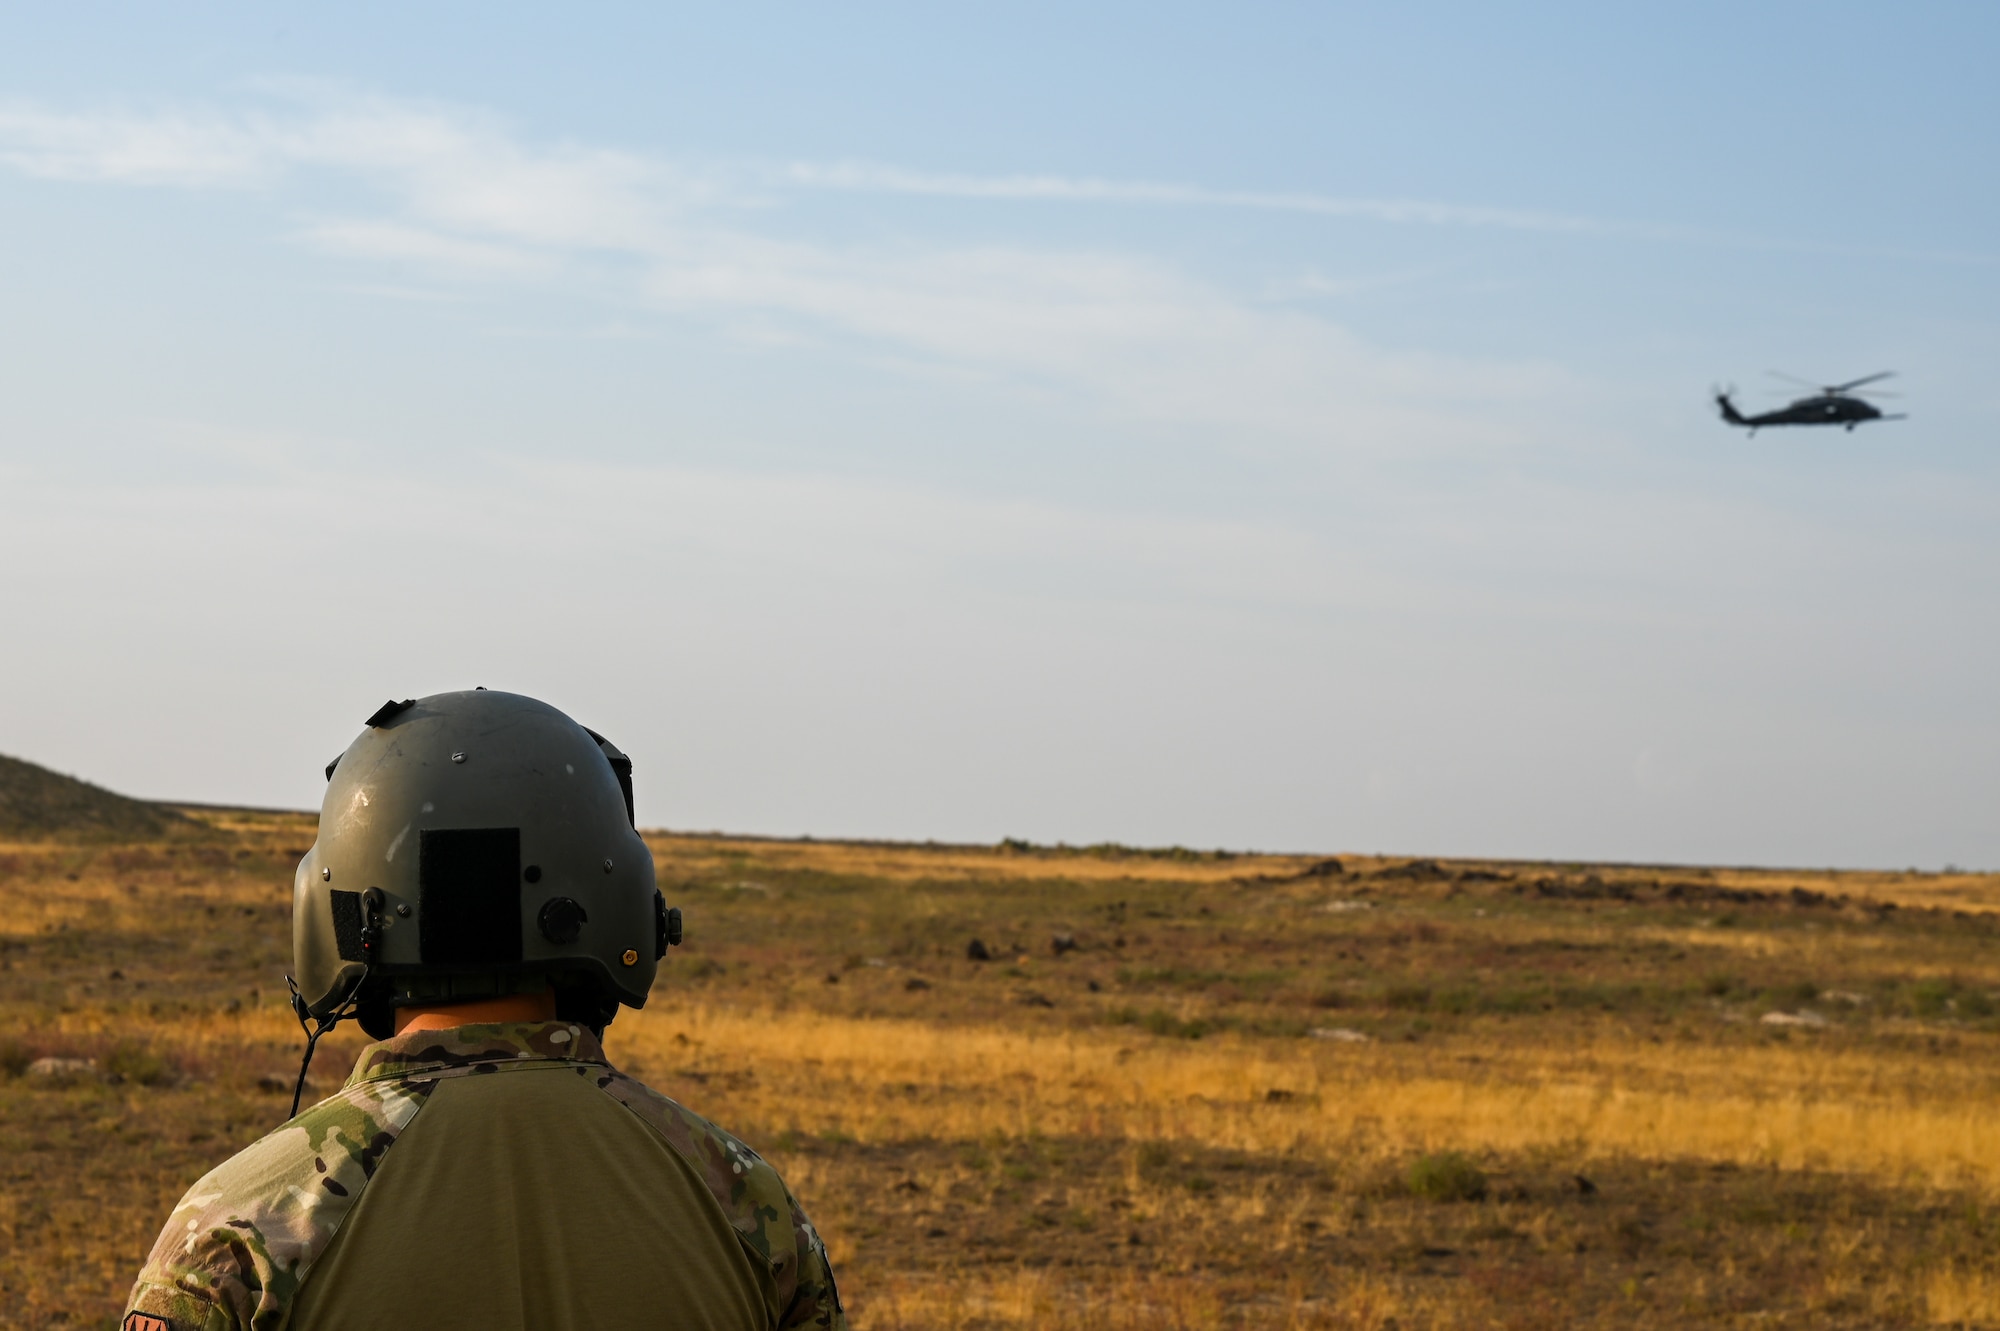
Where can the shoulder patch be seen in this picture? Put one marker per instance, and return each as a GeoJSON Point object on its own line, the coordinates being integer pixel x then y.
{"type": "Point", "coordinates": [243, 1238]}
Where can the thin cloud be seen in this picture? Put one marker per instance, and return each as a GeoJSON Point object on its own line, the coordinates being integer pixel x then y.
{"type": "Point", "coordinates": [367, 239]}
{"type": "Point", "coordinates": [189, 151]}
{"type": "Point", "coordinates": [455, 193]}
{"type": "Point", "coordinates": [865, 178]}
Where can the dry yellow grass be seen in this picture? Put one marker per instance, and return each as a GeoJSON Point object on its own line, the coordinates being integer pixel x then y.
{"type": "Point", "coordinates": [1955, 1296]}
{"type": "Point", "coordinates": [902, 862]}
{"type": "Point", "coordinates": [1897, 1120]}
{"type": "Point", "coordinates": [906, 862]}
{"type": "Point", "coordinates": [1139, 1131]}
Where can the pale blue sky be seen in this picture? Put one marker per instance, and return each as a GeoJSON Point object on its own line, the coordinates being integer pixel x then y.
{"type": "Point", "coordinates": [1282, 427]}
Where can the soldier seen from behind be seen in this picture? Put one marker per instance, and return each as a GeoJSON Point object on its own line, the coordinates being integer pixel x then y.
{"type": "Point", "coordinates": [480, 902]}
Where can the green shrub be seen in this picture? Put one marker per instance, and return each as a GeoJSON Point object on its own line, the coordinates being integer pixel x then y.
{"type": "Point", "coordinates": [1459, 1000]}
{"type": "Point", "coordinates": [1932, 998]}
{"type": "Point", "coordinates": [1802, 991]}
{"type": "Point", "coordinates": [1408, 997]}
{"type": "Point", "coordinates": [135, 1063]}
{"type": "Point", "coordinates": [1446, 1176]}
{"type": "Point", "coordinates": [1166, 1023]}
{"type": "Point", "coordinates": [1158, 1022]}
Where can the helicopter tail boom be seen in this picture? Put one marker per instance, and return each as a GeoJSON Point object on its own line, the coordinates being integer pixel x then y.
{"type": "Point", "coordinates": [1729, 411]}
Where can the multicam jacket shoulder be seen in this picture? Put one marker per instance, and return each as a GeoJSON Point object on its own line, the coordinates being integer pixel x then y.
{"type": "Point", "coordinates": [235, 1249]}
{"type": "Point", "coordinates": [243, 1240]}
{"type": "Point", "coordinates": [765, 1215]}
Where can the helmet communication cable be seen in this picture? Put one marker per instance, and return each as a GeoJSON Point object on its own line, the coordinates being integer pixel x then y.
{"type": "Point", "coordinates": [334, 1018]}
{"type": "Point", "coordinates": [349, 1005]}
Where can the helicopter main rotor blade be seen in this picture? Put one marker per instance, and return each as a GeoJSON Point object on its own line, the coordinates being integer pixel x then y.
{"type": "Point", "coordinates": [1793, 378]}
{"type": "Point", "coordinates": [1856, 383]}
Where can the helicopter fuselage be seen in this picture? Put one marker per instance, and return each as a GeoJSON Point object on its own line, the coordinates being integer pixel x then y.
{"type": "Point", "coordinates": [1819, 409]}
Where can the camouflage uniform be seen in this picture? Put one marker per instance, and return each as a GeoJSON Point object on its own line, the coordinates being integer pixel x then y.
{"type": "Point", "coordinates": [243, 1243]}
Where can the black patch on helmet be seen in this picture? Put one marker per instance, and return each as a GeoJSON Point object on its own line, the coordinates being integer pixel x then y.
{"type": "Point", "coordinates": [469, 896]}
{"type": "Point", "coordinates": [347, 925]}
{"type": "Point", "coordinates": [389, 711]}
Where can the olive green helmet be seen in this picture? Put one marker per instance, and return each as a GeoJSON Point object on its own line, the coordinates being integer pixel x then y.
{"type": "Point", "coordinates": [473, 845]}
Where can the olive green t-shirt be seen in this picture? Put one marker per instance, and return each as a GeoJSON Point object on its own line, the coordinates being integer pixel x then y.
{"type": "Point", "coordinates": [499, 1176]}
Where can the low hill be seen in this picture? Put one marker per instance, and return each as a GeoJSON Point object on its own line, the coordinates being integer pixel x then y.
{"type": "Point", "coordinates": [37, 805]}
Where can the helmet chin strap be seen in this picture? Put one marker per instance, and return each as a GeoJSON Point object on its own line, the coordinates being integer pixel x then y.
{"type": "Point", "coordinates": [349, 1005]}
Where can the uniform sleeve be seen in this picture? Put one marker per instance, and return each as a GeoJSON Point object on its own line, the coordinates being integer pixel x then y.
{"type": "Point", "coordinates": [758, 1205]}
{"type": "Point", "coordinates": [199, 1276]}
{"type": "Point", "coordinates": [815, 1298]}
{"type": "Point", "coordinates": [162, 1307]}
{"type": "Point", "coordinates": [233, 1253]}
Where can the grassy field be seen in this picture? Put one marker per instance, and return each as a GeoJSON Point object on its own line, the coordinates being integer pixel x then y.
{"type": "Point", "coordinates": [1183, 1090]}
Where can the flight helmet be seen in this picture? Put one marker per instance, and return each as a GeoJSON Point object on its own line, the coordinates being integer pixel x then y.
{"type": "Point", "coordinates": [474, 845]}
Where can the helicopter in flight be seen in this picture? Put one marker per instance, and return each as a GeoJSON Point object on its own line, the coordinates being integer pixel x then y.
{"type": "Point", "coordinates": [1829, 404]}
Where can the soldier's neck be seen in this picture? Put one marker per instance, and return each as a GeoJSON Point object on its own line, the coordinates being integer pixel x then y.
{"type": "Point", "coordinates": [514, 1007]}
